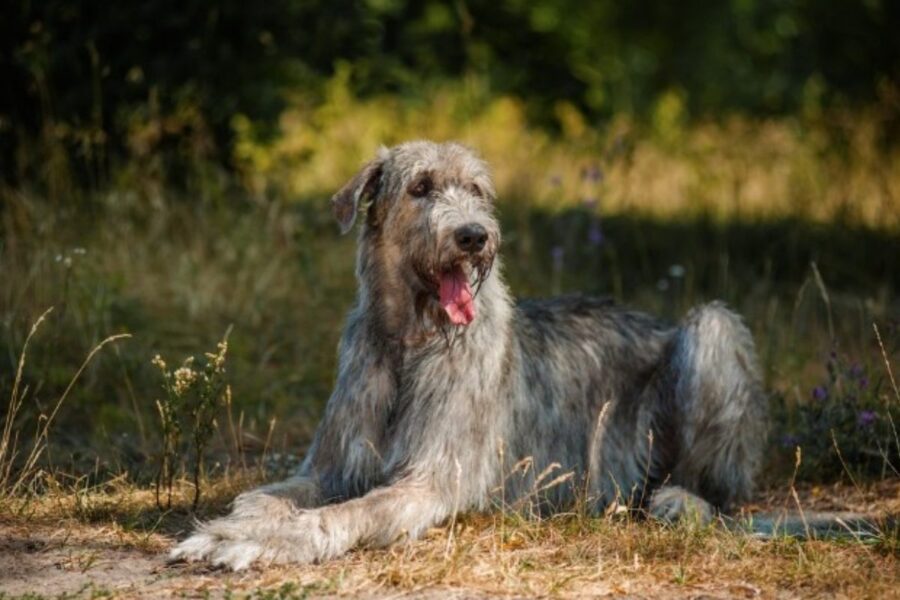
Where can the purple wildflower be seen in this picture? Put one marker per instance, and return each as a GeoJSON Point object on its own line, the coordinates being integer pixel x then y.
{"type": "Point", "coordinates": [866, 418]}
{"type": "Point", "coordinates": [820, 393]}
{"type": "Point", "coordinates": [595, 234]}
{"type": "Point", "coordinates": [856, 371]}
{"type": "Point", "coordinates": [863, 382]}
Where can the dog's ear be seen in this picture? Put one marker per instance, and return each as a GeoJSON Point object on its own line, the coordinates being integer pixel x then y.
{"type": "Point", "coordinates": [364, 186]}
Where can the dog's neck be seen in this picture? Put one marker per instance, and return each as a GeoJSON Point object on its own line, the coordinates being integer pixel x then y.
{"type": "Point", "coordinates": [400, 311]}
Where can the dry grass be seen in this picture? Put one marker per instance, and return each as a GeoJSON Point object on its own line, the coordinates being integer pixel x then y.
{"type": "Point", "coordinates": [111, 541]}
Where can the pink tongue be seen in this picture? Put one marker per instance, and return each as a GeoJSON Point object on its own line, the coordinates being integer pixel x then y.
{"type": "Point", "coordinates": [456, 297]}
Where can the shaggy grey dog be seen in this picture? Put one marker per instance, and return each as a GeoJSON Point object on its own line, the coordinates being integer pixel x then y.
{"type": "Point", "coordinates": [450, 396]}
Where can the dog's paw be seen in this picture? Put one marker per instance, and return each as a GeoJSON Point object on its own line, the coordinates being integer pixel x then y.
{"type": "Point", "coordinates": [672, 504]}
{"type": "Point", "coordinates": [197, 547]}
{"type": "Point", "coordinates": [236, 555]}
{"type": "Point", "coordinates": [237, 542]}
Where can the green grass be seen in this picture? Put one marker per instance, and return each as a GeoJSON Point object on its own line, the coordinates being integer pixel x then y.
{"type": "Point", "coordinates": [178, 275]}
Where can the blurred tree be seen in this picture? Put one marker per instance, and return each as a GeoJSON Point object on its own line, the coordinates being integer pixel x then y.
{"type": "Point", "coordinates": [84, 74]}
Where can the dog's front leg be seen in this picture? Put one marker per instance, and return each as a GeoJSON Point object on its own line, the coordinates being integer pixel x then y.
{"type": "Point", "coordinates": [404, 509]}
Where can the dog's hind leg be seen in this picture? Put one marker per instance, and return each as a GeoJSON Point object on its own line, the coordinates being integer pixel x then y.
{"type": "Point", "coordinates": [718, 418]}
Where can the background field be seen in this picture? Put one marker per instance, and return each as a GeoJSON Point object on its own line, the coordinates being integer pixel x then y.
{"type": "Point", "coordinates": [166, 173]}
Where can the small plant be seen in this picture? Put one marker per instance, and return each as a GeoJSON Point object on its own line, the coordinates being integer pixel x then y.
{"type": "Point", "coordinates": [193, 394]}
{"type": "Point", "coordinates": [846, 424]}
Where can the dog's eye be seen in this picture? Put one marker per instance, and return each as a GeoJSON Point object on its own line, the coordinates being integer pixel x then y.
{"type": "Point", "coordinates": [421, 188]}
{"type": "Point", "coordinates": [476, 190]}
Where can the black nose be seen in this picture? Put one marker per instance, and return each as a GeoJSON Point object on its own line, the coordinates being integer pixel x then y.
{"type": "Point", "coordinates": [471, 238]}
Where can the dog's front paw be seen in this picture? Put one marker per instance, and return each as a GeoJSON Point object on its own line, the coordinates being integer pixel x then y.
{"type": "Point", "coordinates": [197, 547]}
{"type": "Point", "coordinates": [236, 555]}
{"type": "Point", "coordinates": [228, 542]}
{"type": "Point", "coordinates": [236, 543]}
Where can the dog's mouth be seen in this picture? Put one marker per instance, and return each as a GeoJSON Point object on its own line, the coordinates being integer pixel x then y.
{"type": "Point", "coordinates": [455, 295]}
{"type": "Point", "coordinates": [453, 287]}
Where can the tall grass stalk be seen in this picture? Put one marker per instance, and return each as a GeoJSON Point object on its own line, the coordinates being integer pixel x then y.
{"type": "Point", "coordinates": [890, 372]}
{"type": "Point", "coordinates": [12, 480]}
{"type": "Point", "coordinates": [9, 440]}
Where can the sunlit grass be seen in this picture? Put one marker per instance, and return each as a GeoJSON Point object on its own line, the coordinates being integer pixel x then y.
{"type": "Point", "coordinates": [821, 168]}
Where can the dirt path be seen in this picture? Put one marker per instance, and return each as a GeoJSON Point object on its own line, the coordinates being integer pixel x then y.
{"type": "Point", "coordinates": [71, 561]}
{"type": "Point", "coordinates": [53, 566]}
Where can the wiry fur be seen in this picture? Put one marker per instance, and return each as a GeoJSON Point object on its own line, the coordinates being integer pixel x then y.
{"type": "Point", "coordinates": [427, 418]}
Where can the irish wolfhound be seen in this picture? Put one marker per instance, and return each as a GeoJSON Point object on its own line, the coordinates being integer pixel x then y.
{"type": "Point", "coordinates": [444, 384]}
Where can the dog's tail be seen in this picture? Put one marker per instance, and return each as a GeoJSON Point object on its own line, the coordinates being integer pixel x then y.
{"type": "Point", "coordinates": [817, 525]}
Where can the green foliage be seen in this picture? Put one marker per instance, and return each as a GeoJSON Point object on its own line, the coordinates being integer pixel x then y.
{"type": "Point", "coordinates": [159, 76]}
{"type": "Point", "coordinates": [166, 78]}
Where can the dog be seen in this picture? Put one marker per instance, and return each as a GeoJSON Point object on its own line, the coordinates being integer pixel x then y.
{"type": "Point", "coordinates": [450, 396]}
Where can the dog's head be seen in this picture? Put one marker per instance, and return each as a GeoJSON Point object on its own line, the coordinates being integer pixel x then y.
{"type": "Point", "coordinates": [429, 217]}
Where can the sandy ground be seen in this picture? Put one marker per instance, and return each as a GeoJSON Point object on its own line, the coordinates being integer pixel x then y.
{"type": "Point", "coordinates": [53, 563]}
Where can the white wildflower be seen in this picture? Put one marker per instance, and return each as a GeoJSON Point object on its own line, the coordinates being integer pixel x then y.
{"type": "Point", "coordinates": [184, 379]}
{"type": "Point", "coordinates": [159, 362]}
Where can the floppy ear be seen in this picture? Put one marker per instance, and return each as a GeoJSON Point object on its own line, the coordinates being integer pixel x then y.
{"type": "Point", "coordinates": [364, 186]}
